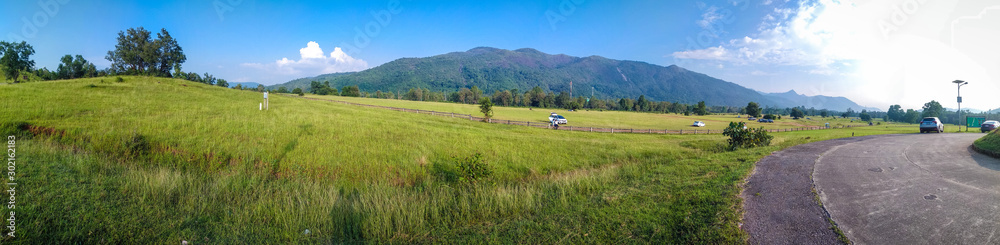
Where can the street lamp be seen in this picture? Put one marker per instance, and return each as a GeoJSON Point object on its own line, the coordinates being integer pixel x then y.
{"type": "Point", "coordinates": [960, 83]}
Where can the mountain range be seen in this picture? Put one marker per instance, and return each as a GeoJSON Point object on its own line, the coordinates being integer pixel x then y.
{"type": "Point", "coordinates": [493, 69]}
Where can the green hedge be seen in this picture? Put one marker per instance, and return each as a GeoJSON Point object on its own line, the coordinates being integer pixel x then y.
{"type": "Point", "coordinates": [989, 144]}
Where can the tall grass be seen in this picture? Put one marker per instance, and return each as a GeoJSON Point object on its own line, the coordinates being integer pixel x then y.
{"type": "Point", "coordinates": [155, 160]}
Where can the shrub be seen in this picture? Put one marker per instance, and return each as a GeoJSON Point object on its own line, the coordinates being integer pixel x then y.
{"type": "Point", "coordinates": [471, 169]}
{"type": "Point", "coordinates": [474, 168]}
{"type": "Point", "coordinates": [119, 79]}
{"type": "Point", "coordinates": [742, 137]}
{"type": "Point", "coordinates": [486, 107]}
{"type": "Point", "coordinates": [136, 145]}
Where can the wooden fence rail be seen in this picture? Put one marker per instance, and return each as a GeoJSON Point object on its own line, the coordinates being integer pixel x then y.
{"type": "Point", "coordinates": [567, 127]}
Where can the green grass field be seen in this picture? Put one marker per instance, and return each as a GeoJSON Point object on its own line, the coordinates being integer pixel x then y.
{"type": "Point", "coordinates": [603, 119]}
{"type": "Point", "coordinates": [153, 160]}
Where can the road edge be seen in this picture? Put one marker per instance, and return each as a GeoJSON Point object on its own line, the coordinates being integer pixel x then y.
{"type": "Point", "coordinates": [780, 202]}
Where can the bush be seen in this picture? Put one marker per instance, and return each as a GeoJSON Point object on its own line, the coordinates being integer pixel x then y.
{"type": "Point", "coordinates": [471, 169]}
{"type": "Point", "coordinates": [136, 145]}
{"type": "Point", "coordinates": [742, 137]}
{"type": "Point", "coordinates": [119, 79]}
{"type": "Point", "coordinates": [474, 168]}
{"type": "Point", "coordinates": [486, 107]}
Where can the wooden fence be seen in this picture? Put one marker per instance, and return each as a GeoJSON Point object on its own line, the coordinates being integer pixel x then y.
{"type": "Point", "coordinates": [567, 127]}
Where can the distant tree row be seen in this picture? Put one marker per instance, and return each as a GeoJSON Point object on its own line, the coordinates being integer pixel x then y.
{"type": "Point", "coordinates": [931, 109]}
{"type": "Point", "coordinates": [325, 89]}
{"type": "Point", "coordinates": [206, 79]}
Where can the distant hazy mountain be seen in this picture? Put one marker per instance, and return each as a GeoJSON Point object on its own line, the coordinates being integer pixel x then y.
{"type": "Point", "coordinates": [499, 69]}
{"type": "Point", "coordinates": [304, 83]}
{"type": "Point", "coordinates": [817, 101]}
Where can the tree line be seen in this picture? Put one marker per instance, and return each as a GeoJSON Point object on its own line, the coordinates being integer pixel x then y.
{"type": "Point", "coordinates": [136, 53]}
{"type": "Point", "coordinates": [933, 109]}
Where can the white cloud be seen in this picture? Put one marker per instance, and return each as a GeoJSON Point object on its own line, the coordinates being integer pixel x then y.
{"type": "Point", "coordinates": [713, 53]}
{"type": "Point", "coordinates": [312, 61]}
{"type": "Point", "coordinates": [710, 17]}
{"type": "Point", "coordinates": [877, 53]}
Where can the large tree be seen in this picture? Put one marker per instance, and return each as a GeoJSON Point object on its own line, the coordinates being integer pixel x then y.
{"type": "Point", "coordinates": [701, 109]}
{"type": "Point", "coordinates": [796, 113]}
{"type": "Point", "coordinates": [864, 116]}
{"type": "Point", "coordinates": [895, 113]}
{"type": "Point", "coordinates": [137, 53]}
{"type": "Point", "coordinates": [753, 109]}
{"type": "Point", "coordinates": [911, 116]}
{"type": "Point", "coordinates": [16, 57]}
{"type": "Point", "coordinates": [932, 109]}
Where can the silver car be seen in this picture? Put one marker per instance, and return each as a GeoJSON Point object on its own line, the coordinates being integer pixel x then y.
{"type": "Point", "coordinates": [931, 124]}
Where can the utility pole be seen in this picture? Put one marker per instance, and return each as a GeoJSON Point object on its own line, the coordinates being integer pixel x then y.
{"type": "Point", "coordinates": [571, 89]}
{"type": "Point", "coordinates": [960, 83]}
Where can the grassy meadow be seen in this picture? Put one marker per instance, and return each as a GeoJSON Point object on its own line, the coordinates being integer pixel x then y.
{"type": "Point", "coordinates": [602, 119]}
{"type": "Point", "coordinates": [155, 160]}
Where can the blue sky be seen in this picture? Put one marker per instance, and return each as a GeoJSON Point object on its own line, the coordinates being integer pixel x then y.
{"type": "Point", "coordinates": [876, 53]}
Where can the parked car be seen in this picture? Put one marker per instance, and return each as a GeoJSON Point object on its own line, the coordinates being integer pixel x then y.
{"type": "Point", "coordinates": [989, 126]}
{"type": "Point", "coordinates": [698, 124]}
{"type": "Point", "coordinates": [931, 124]}
{"type": "Point", "coordinates": [769, 121]}
{"type": "Point", "coordinates": [559, 118]}
{"type": "Point", "coordinates": [751, 119]}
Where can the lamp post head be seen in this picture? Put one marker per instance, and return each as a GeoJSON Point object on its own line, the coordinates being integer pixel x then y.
{"type": "Point", "coordinates": [960, 82]}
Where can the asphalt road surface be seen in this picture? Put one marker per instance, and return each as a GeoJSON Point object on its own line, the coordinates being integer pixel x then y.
{"type": "Point", "coordinates": [911, 189]}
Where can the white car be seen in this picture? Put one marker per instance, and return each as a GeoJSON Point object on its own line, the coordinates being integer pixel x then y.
{"type": "Point", "coordinates": [558, 118]}
{"type": "Point", "coordinates": [698, 124]}
{"type": "Point", "coordinates": [931, 124]}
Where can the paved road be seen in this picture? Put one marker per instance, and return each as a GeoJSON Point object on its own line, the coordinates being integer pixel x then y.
{"type": "Point", "coordinates": [911, 189]}
{"type": "Point", "coordinates": [778, 200]}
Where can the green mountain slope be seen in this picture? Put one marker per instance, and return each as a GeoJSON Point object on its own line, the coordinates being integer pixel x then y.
{"type": "Point", "coordinates": [499, 69]}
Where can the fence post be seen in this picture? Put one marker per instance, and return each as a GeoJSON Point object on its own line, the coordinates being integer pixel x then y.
{"type": "Point", "coordinates": [682, 131]}
{"type": "Point", "coordinates": [591, 129]}
{"type": "Point", "coordinates": [612, 130]}
{"type": "Point", "coordinates": [631, 130]}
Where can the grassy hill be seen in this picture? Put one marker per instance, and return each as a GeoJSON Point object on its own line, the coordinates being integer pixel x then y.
{"type": "Point", "coordinates": [153, 160]}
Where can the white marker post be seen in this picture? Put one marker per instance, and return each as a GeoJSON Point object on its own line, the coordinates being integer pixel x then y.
{"type": "Point", "coordinates": [265, 100]}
